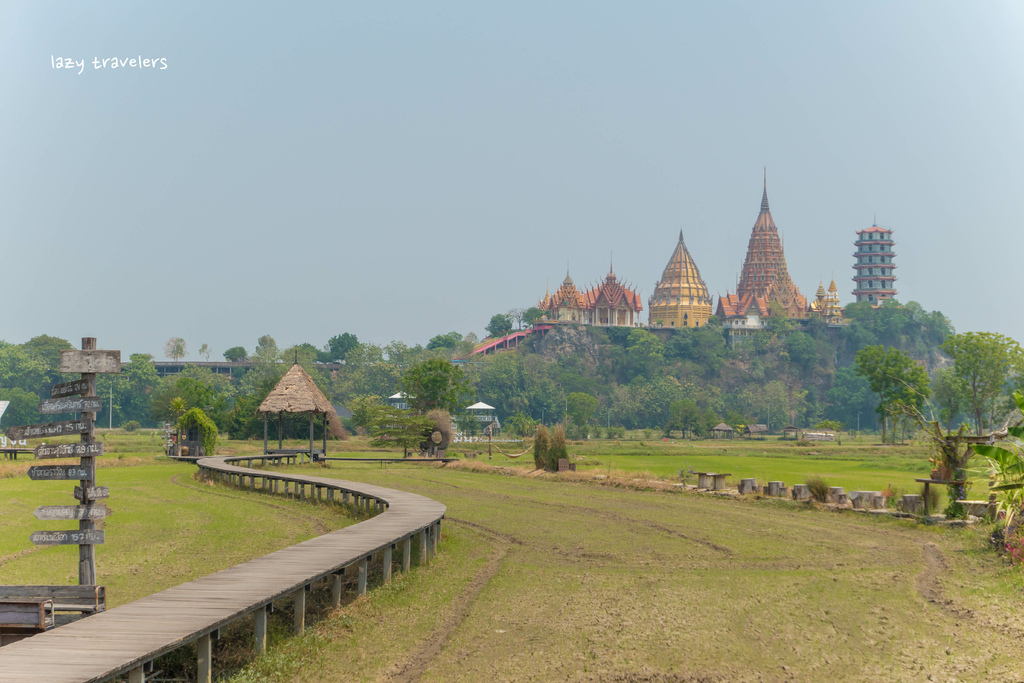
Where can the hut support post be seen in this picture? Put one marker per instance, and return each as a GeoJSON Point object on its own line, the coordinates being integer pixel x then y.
{"type": "Point", "coordinates": [280, 431]}
{"type": "Point", "coordinates": [311, 437]}
{"type": "Point", "coordinates": [325, 435]}
{"type": "Point", "coordinates": [264, 433]}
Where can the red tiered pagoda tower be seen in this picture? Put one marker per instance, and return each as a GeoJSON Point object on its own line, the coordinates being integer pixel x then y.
{"type": "Point", "coordinates": [765, 277]}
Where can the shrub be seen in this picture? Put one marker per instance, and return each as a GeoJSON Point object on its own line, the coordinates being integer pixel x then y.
{"type": "Point", "coordinates": [197, 419]}
{"type": "Point", "coordinates": [130, 425]}
{"type": "Point", "coordinates": [541, 443]}
{"type": "Point", "coordinates": [818, 488]}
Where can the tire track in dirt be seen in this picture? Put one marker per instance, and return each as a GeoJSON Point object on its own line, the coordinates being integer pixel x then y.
{"type": "Point", "coordinates": [318, 525]}
{"type": "Point", "coordinates": [430, 647]}
{"type": "Point", "coordinates": [596, 512]}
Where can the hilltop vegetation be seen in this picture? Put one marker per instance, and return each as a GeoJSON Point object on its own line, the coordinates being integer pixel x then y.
{"type": "Point", "coordinates": [597, 380]}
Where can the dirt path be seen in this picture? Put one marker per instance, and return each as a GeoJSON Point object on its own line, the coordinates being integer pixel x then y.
{"type": "Point", "coordinates": [427, 650]}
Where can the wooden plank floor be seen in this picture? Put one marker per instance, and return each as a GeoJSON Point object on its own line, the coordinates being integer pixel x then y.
{"type": "Point", "coordinates": [113, 642]}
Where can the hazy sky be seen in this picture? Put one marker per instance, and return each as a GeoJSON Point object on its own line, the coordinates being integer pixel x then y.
{"type": "Point", "coordinates": [398, 170]}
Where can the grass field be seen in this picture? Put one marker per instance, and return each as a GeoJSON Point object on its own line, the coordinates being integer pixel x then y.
{"type": "Point", "coordinates": [543, 579]}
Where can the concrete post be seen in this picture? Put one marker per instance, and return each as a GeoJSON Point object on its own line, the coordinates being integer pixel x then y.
{"type": "Point", "coordinates": [204, 659]}
{"type": "Point", "coordinates": [336, 590]}
{"type": "Point", "coordinates": [299, 621]}
{"type": "Point", "coordinates": [137, 675]}
{"type": "Point", "coordinates": [406, 553]}
{"type": "Point", "coordinates": [423, 547]}
{"type": "Point", "coordinates": [386, 573]}
{"type": "Point", "coordinates": [261, 630]}
{"type": "Point", "coordinates": [362, 577]}
{"type": "Point", "coordinates": [435, 533]}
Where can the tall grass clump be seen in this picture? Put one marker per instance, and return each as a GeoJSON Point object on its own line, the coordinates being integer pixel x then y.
{"type": "Point", "coordinates": [818, 488]}
{"type": "Point", "coordinates": [541, 444]}
{"type": "Point", "coordinates": [557, 450]}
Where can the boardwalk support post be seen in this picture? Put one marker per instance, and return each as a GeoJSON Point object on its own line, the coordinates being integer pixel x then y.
{"type": "Point", "coordinates": [386, 569]}
{"type": "Point", "coordinates": [406, 553]}
{"type": "Point", "coordinates": [362, 577]}
{"type": "Point", "coordinates": [336, 590]}
{"type": "Point", "coordinates": [204, 659]}
{"type": "Point", "coordinates": [299, 622]}
{"type": "Point", "coordinates": [137, 675]}
{"type": "Point", "coordinates": [261, 630]}
{"type": "Point", "coordinates": [423, 547]}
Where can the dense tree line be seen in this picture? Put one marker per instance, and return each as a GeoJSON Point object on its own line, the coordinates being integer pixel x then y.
{"type": "Point", "coordinates": [589, 379]}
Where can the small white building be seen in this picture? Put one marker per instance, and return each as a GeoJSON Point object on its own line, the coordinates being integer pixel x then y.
{"type": "Point", "coordinates": [484, 414]}
{"type": "Point", "coordinates": [399, 401]}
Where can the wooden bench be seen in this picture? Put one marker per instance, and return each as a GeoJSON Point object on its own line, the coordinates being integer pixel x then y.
{"type": "Point", "coordinates": [21, 618]}
{"type": "Point", "coordinates": [84, 599]}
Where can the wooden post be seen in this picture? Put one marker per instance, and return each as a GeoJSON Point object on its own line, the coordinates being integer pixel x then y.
{"type": "Point", "coordinates": [299, 621]}
{"type": "Point", "coordinates": [362, 577]}
{"type": "Point", "coordinates": [137, 675]}
{"type": "Point", "coordinates": [435, 535]}
{"type": "Point", "coordinates": [280, 431]}
{"type": "Point", "coordinates": [311, 436]}
{"type": "Point", "coordinates": [423, 547]}
{"type": "Point", "coordinates": [261, 630]}
{"type": "Point", "coordinates": [87, 553]}
{"type": "Point", "coordinates": [336, 591]}
{"type": "Point", "coordinates": [325, 435]}
{"type": "Point", "coordinates": [926, 497]}
{"type": "Point", "coordinates": [204, 657]}
{"type": "Point", "coordinates": [264, 433]}
{"type": "Point", "coordinates": [406, 553]}
{"type": "Point", "coordinates": [387, 565]}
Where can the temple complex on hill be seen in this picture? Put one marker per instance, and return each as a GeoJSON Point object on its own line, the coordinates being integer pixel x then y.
{"type": "Point", "coordinates": [826, 304]}
{"type": "Point", "coordinates": [609, 304]}
{"type": "Point", "coordinates": [680, 297]}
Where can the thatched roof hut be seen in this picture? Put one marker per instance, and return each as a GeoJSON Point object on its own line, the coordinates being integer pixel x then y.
{"type": "Point", "coordinates": [757, 431]}
{"type": "Point", "coordinates": [722, 431]}
{"type": "Point", "coordinates": [296, 392]}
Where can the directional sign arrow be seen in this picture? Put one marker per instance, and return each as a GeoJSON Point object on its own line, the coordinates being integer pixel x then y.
{"type": "Point", "coordinates": [71, 404]}
{"type": "Point", "coordinates": [73, 388]}
{"type": "Point", "coordinates": [60, 472]}
{"type": "Point", "coordinates": [62, 512]}
{"type": "Point", "coordinates": [73, 537]}
{"type": "Point", "coordinates": [68, 450]}
{"type": "Point", "coordinates": [92, 360]}
{"type": "Point", "coordinates": [37, 431]}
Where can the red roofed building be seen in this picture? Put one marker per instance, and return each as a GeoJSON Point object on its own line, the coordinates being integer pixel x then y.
{"type": "Point", "coordinates": [609, 304]}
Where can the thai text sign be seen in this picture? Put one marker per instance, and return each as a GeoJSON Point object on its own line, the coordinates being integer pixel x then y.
{"type": "Point", "coordinates": [37, 431]}
{"type": "Point", "coordinates": [62, 512]}
{"type": "Point", "coordinates": [72, 537]}
{"type": "Point", "coordinates": [69, 450]}
{"type": "Point", "coordinates": [74, 388]}
{"type": "Point", "coordinates": [95, 492]}
{"type": "Point", "coordinates": [60, 473]}
{"type": "Point", "coordinates": [79, 404]}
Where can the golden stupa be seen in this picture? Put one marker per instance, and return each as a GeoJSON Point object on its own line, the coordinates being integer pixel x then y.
{"type": "Point", "coordinates": [680, 298]}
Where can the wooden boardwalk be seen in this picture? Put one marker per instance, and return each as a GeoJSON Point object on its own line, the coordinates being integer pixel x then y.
{"type": "Point", "coordinates": [122, 640]}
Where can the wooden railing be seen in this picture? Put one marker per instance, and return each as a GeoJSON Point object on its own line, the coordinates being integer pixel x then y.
{"type": "Point", "coordinates": [126, 639]}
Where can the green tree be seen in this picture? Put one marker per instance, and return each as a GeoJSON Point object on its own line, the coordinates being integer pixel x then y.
{"type": "Point", "coordinates": [337, 347]}
{"type": "Point", "coordinates": [984, 361]}
{"type": "Point", "coordinates": [895, 378]}
{"type": "Point", "coordinates": [951, 395]}
{"type": "Point", "coordinates": [205, 352]}
{"type": "Point", "coordinates": [532, 315]}
{"type": "Point", "coordinates": [397, 428]}
{"type": "Point", "coordinates": [500, 325]}
{"type": "Point", "coordinates": [850, 397]}
{"type": "Point", "coordinates": [436, 383]}
{"type": "Point", "coordinates": [580, 408]}
{"type": "Point", "coordinates": [236, 354]}
{"type": "Point", "coordinates": [444, 341]}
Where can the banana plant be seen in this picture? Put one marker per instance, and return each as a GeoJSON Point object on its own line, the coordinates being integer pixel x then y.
{"type": "Point", "coordinates": [1006, 467]}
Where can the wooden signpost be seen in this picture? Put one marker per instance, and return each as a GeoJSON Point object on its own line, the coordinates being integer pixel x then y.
{"type": "Point", "coordinates": [79, 404]}
{"type": "Point", "coordinates": [47, 429]}
{"type": "Point", "coordinates": [61, 472]}
{"type": "Point", "coordinates": [68, 450]}
{"type": "Point", "coordinates": [60, 512]}
{"type": "Point", "coordinates": [77, 396]}
{"type": "Point", "coordinates": [74, 388]}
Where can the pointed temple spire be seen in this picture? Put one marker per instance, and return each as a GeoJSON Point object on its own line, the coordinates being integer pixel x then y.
{"type": "Point", "coordinates": [680, 298]}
